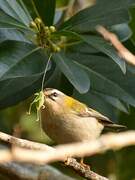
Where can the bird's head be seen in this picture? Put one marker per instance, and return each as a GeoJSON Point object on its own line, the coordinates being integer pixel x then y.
{"type": "Point", "coordinates": [57, 101]}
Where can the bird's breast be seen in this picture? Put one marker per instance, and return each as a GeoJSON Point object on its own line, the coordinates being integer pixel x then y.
{"type": "Point", "coordinates": [65, 130]}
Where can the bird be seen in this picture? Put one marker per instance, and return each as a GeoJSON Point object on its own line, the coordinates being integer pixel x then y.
{"type": "Point", "coordinates": [67, 120]}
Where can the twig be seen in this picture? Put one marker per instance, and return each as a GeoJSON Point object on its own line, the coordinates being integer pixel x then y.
{"type": "Point", "coordinates": [19, 154]}
{"type": "Point", "coordinates": [23, 155]}
{"type": "Point", "coordinates": [83, 170]}
{"type": "Point", "coordinates": [106, 142]}
{"type": "Point", "coordinates": [24, 143]}
{"type": "Point", "coordinates": [122, 50]}
{"type": "Point", "coordinates": [5, 155]}
{"type": "Point", "coordinates": [61, 152]}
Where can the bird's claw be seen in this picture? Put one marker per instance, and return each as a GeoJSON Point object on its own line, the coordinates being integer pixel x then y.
{"type": "Point", "coordinates": [86, 166]}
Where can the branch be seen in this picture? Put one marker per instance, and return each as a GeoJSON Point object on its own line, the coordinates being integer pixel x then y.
{"type": "Point", "coordinates": [23, 155]}
{"type": "Point", "coordinates": [19, 154]}
{"type": "Point", "coordinates": [122, 50]}
{"type": "Point", "coordinates": [60, 153]}
{"type": "Point", "coordinates": [83, 170]}
{"type": "Point", "coordinates": [106, 142]}
{"type": "Point", "coordinates": [5, 155]}
{"type": "Point", "coordinates": [19, 171]}
{"type": "Point", "coordinates": [24, 143]}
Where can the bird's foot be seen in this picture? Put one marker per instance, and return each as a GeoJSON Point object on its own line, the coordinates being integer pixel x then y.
{"type": "Point", "coordinates": [86, 166]}
{"type": "Point", "coordinates": [67, 160]}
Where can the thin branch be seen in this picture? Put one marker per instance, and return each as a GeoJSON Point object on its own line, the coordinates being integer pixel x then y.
{"type": "Point", "coordinates": [25, 155]}
{"type": "Point", "coordinates": [106, 142]}
{"type": "Point", "coordinates": [83, 170]}
{"type": "Point", "coordinates": [122, 50]}
{"type": "Point", "coordinates": [61, 152]}
{"type": "Point", "coordinates": [5, 156]}
{"type": "Point", "coordinates": [24, 143]}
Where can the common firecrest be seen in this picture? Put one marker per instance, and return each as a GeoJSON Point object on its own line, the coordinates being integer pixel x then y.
{"type": "Point", "coordinates": [66, 120]}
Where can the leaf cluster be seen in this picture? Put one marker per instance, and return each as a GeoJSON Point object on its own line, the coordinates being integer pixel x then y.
{"type": "Point", "coordinates": [85, 63]}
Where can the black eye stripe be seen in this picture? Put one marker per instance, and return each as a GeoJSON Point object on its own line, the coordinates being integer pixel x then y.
{"type": "Point", "coordinates": [55, 94]}
{"type": "Point", "coordinates": [51, 97]}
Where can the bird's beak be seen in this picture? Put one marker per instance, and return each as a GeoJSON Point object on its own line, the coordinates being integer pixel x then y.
{"type": "Point", "coordinates": [47, 93]}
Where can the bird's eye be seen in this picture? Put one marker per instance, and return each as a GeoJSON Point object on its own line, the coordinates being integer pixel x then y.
{"type": "Point", "coordinates": [55, 94]}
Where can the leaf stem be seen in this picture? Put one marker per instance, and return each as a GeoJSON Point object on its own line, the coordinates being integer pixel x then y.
{"type": "Point", "coordinates": [35, 9]}
{"type": "Point", "coordinates": [45, 71]}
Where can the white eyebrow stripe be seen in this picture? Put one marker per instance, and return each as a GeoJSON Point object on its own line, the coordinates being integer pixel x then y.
{"type": "Point", "coordinates": [51, 91]}
{"type": "Point", "coordinates": [57, 91]}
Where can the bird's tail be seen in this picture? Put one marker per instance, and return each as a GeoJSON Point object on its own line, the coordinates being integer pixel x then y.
{"type": "Point", "coordinates": [116, 127]}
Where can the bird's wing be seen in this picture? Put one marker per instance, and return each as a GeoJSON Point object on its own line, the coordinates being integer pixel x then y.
{"type": "Point", "coordinates": [99, 116]}
{"type": "Point", "coordinates": [89, 112]}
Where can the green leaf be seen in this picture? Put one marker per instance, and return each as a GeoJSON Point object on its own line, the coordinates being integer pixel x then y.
{"type": "Point", "coordinates": [16, 60]}
{"type": "Point", "coordinates": [107, 86]}
{"type": "Point", "coordinates": [13, 9]}
{"type": "Point", "coordinates": [106, 13]}
{"type": "Point", "coordinates": [101, 101]}
{"type": "Point", "coordinates": [11, 34]}
{"type": "Point", "coordinates": [46, 10]}
{"type": "Point", "coordinates": [82, 47]}
{"type": "Point", "coordinates": [123, 31]}
{"type": "Point", "coordinates": [24, 7]}
{"type": "Point", "coordinates": [15, 96]}
{"type": "Point", "coordinates": [96, 102]}
{"type": "Point", "coordinates": [58, 16]}
{"type": "Point", "coordinates": [21, 64]}
{"type": "Point", "coordinates": [114, 102]}
{"type": "Point", "coordinates": [28, 7]}
{"type": "Point", "coordinates": [7, 21]}
{"type": "Point", "coordinates": [72, 38]}
{"type": "Point", "coordinates": [106, 78]}
{"type": "Point", "coordinates": [73, 71]}
{"type": "Point", "coordinates": [103, 46]}
{"type": "Point", "coordinates": [132, 24]}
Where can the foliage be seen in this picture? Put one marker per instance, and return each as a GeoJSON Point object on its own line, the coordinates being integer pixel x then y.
{"type": "Point", "coordinates": [82, 64]}
{"type": "Point", "coordinates": [89, 63]}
